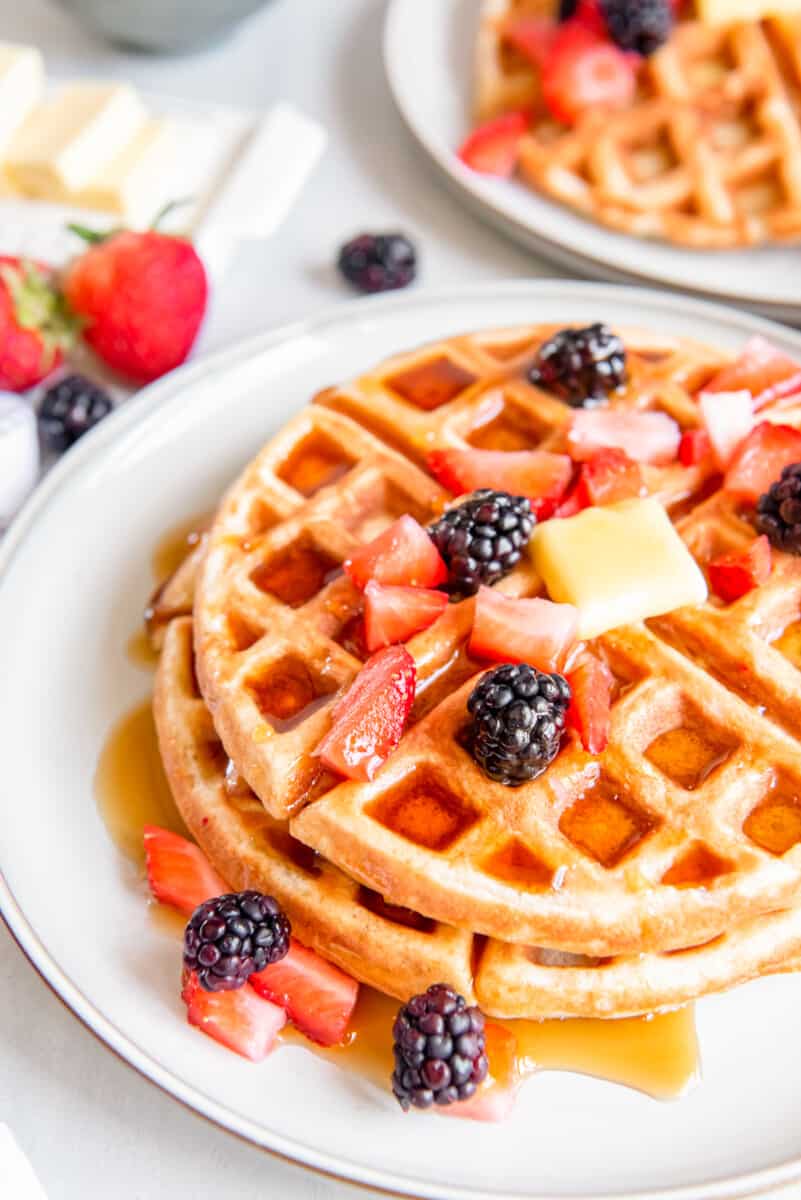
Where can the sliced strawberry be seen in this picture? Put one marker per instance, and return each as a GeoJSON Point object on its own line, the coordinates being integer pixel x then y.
{"type": "Point", "coordinates": [590, 709]}
{"type": "Point", "coordinates": [240, 1019]}
{"type": "Point", "coordinates": [573, 503]}
{"type": "Point", "coordinates": [494, 147]}
{"type": "Point", "coordinates": [649, 437]}
{"type": "Point", "coordinates": [733, 575]}
{"type": "Point", "coordinates": [402, 554]}
{"type": "Point", "coordinates": [535, 631]}
{"type": "Point", "coordinates": [763, 370]}
{"type": "Point", "coordinates": [394, 614]}
{"type": "Point", "coordinates": [368, 721]}
{"type": "Point", "coordinates": [541, 476]}
{"type": "Point", "coordinates": [178, 871]}
{"type": "Point", "coordinates": [694, 447]}
{"type": "Point", "coordinates": [495, 1098]}
{"type": "Point", "coordinates": [761, 458]}
{"type": "Point", "coordinates": [728, 418]}
{"type": "Point", "coordinates": [319, 998]}
{"type": "Point", "coordinates": [585, 72]}
{"type": "Point", "coordinates": [609, 476]}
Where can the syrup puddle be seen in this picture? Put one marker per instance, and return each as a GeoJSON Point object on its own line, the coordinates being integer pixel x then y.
{"type": "Point", "coordinates": [657, 1055]}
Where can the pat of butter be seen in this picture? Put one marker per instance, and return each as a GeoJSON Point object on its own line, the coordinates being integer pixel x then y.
{"type": "Point", "coordinates": [131, 185]}
{"type": "Point", "coordinates": [67, 141]}
{"type": "Point", "coordinates": [21, 87]}
{"type": "Point", "coordinates": [617, 564]}
{"type": "Point", "coordinates": [723, 12]}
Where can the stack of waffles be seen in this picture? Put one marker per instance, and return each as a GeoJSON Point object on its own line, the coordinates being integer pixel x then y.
{"type": "Point", "coordinates": [707, 154]}
{"type": "Point", "coordinates": [664, 868]}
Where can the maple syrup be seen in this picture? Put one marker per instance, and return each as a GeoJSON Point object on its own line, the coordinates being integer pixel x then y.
{"type": "Point", "coordinates": [689, 754]}
{"type": "Point", "coordinates": [432, 384]}
{"type": "Point", "coordinates": [789, 643]}
{"type": "Point", "coordinates": [176, 544]}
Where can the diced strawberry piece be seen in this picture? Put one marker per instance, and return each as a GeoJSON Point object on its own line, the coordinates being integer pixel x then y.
{"type": "Point", "coordinates": [761, 458]}
{"type": "Point", "coordinates": [763, 370]}
{"type": "Point", "coordinates": [319, 998]}
{"type": "Point", "coordinates": [178, 871]}
{"type": "Point", "coordinates": [541, 476]}
{"type": "Point", "coordinates": [609, 476]}
{"type": "Point", "coordinates": [495, 1098]}
{"type": "Point", "coordinates": [402, 554]}
{"type": "Point", "coordinates": [733, 575]}
{"type": "Point", "coordinates": [590, 709]}
{"type": "Point", "coordinates": [368, 721]}
{"type": "Point", "coordinates": [394, 614]}
{"type": "Point", "coordinates": [494, 147]}
{"type": "Point", "coordinates": [531, 37]}
{"type": "Point", "coordinates": [728, 418]}
{"type": "Point", "coordinates": [694, 447]}
{"type": "Point", "coordinates": [239, 1019]}
{"type": "Point", "coordinates": [649, 437]}
{"type": "Point", "coordinates": [574, 502]}
{"type": "Point", "coordinates": [583, 72]}
{"type": "Point", "coordinates": [535, 631]}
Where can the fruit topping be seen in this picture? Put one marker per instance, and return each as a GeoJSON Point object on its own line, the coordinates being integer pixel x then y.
{"type": "Point", "coordinates": [639, 25]}
{"type": "Point", "coordinates": [494, 147]}
{"type": "Point", "coordinates": [482, 539]}
{"type": "Point", "coordinates": [734, 575]}
{"type": "Point", "coordinates": [35, 327]}
{"type": "Point", "coordinates": [585, 72]}
{"type": "Point", "coordinates": [394, 614]}
{"type": "Point", "coordinates": [763, 370]}
{"type": "Point", "coordinates": [587, 13]}
{"type": "Point", "coordinates": [534, 631]}
{"type": "Point", "coordinates": [617, 564]}
{"type": "Point", "coordinates": [439, 1047]}
{"type": "Point", "coordinates": [231, 936]}
{"type": "Point", "coordinates": [518, 718]}
{"type": "Point", "coordinates": [378, 262]}
{"type": "Point", "coordinates": [178, 871]}
{"type": "Point", "coordinates": [779, 511]}
{"type": "Point", "coordinates": [581, 366]}
{"type": "Point", "coordinates": [609, 476]}
{"type": "Point", "coordinates": [648, 437]}
{"type": "Point", "coordinates": [590, 709]}
{"type": "Point", "coordinates": [141, 298]}
{"type": "Point", "coordinates": [403, 554]}
{"type": "Point", "coordinates": [318, 998]}
{"type": "Point", "coordinates": [694, 447]}
{"type": "Point", "coordinates": [70, 408]}
{"type": "Point", "coordinates": [537, 474]}
{"type": "Point", "coordinates": [761, 458]}
{"type": "Point", "coordinates": [368, 721]}
{"type": "Point", "coordinates": [240, 1020]}
{"type": "Point", "coordinates": [728, 418]}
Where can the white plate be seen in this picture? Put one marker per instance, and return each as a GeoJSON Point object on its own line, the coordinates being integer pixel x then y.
{"type": "Point", "coordinates": [73, 579]}
{"type": "Point", "coordinates": [429, 64]}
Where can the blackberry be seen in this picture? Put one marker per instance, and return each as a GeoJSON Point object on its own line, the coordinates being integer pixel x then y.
{"type": "Point", "coordinates": [581, 366]}
{"type": "Point", "coordinates": [231, 936]}
{"type": "Point", "coordinates": [69, 408]}
{"type": "Point", "coordinates": [779, 511]}
{"type": "Point", "coordinates": [639, 25]}
{"type": "Point", "coordinates": [482, 538]}
{"type": "Point", "coordinates": [378, 262]}
{"type": "Point", "coordinates": [439, 1048]}
{"type": "Point", "coordinates": [518, 719]}
{"type": "Point", "coordinates": [567, 9]}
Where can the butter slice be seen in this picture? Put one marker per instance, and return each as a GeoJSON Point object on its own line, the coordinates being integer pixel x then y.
{"type": "Point", "coordinates": [69, 140]}
{"type": "Point", "coordinates": [617, 564]}
{"type": "Point", "coordinates": [21, 88]}
{"type": "Point", "coordinates": [131, 185]}
{"type": "Point", "coordinates": [724, 12]}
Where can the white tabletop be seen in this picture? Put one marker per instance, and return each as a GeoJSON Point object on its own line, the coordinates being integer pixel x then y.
{"type": "Point", "coordinates": [91, 1126]}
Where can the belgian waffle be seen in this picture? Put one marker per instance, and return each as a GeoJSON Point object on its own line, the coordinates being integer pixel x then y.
{"type": "Point", "coordinates": [622, 854]}
{"type": "Point", "coordinates": [708, 154]}
{"type": "Point", "coordinates": [397, 950]}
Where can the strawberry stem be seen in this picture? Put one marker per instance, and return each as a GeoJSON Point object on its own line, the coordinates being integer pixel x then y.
{"type": "Point", "coordinates": [92, 236]}
{"type": "Point", "coordinates": [169, 207]}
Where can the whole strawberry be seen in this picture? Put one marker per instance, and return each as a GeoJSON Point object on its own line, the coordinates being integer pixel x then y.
{"type": "Point", "coordinates": [141, 298]}
{"type": "Point", "coordinates": [34, 325]}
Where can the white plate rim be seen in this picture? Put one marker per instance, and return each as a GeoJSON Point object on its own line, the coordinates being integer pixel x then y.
{"type": "Point", "coordinates": [175, 389]}
{"type": "Point", "coordinates": [497, 214]}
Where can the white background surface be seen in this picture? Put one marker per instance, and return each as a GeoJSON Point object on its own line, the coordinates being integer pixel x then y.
{"type": "Point", "coordinates": [91, 1126]}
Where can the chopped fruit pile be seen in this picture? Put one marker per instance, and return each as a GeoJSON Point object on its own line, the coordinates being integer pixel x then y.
{"type": "Point", "coordinates": [581, 366]}
{"type": "Point", "coordinates": [368, 721]}
{"type": "Point", "coordinates": [534, 631]}
{"type": "Point", "coordinates": [734, 575]}
{"type": "Point", "coordinates": [542, 477]}
{"type": "Point", "coordinates": [762, 370]}
{"type": "Point", "coordinates": [779, 511]}
{"type": "Point", "coordinates": [394, 614]}
{"type": "Point", "coordinates": [439, 1046]}
{"type": "Point", "coordinates": [378, 262]}
{"type": "Point", "coordinates": [482, 539]}
{"type": "Point", "coordinates": [518, 718]}
{"type": "Point", "coordinates": [402, 555]}
{"type": "Point", "coordinates": [590, 711]}
{"type": "Point", "coordinates": [646, 437]}
{"type": "Point", "coordinates": [230, 937]}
